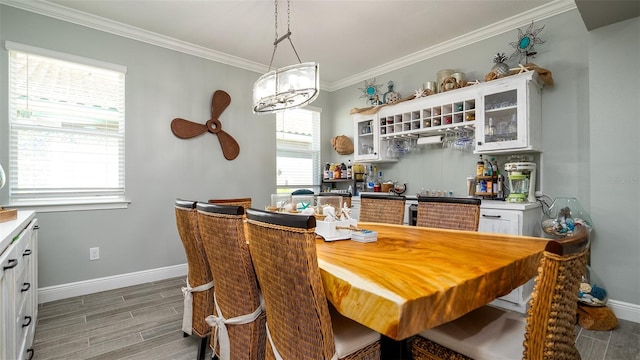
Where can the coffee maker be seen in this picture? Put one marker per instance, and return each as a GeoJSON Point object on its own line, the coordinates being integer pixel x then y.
{"type": "Point", "coordinates": [521, 176]}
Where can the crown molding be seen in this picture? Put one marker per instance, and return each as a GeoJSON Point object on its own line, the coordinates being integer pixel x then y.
{"type": "Point", "coordinates": [46, 8]}
{"type": "Point", "coordinates": [539, 13]}
{"type": "Point", "coordinates": [113, 27]}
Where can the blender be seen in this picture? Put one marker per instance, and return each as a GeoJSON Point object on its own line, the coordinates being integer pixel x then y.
{"type": "Point", "coordinates": [521, 174]}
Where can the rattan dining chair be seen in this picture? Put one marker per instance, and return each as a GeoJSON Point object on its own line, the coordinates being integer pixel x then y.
{"type": "Point", "coordinates": [300, 322]}
{"type": "Point", "coordinates": [387, 209]}
{"type": "Point", "coordinates": [346, 197]}
{"type": "Point", "coordinates": [244, 202]}
{"type": "Point", "coordinates": [448, 213]}
{"type": "Point", "coordinates": [548, 331]}
{"type": "Point", "coordinates": [198, 293]}
{"type": "Point", "coordinates": [238, 318]}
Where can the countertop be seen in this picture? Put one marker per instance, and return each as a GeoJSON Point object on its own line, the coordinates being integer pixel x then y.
{"type": "Point", "coordinates": [486, 204]}
{"type": "Point", "coordinates": [10, 229]}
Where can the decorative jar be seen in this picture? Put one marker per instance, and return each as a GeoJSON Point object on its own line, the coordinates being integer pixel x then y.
{"type": "Point", "coordinates": [563, 215]}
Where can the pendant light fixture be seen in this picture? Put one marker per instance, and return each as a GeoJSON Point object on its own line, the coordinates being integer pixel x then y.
{"type": "Point", "coordinates": [288, 87]}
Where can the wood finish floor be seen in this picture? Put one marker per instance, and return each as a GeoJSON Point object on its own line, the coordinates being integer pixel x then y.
{"type": "Point", "coordinates": [144, 322]}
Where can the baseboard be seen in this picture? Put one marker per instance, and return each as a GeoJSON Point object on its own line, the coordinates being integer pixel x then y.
{"type": "Point", "coordinates": [624, 310]}
{"type": "Point", "coordinates": [57, 292]}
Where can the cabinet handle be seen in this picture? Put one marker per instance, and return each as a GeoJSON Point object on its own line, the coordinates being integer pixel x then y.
{"type": "Point", "coordinates": [11, 264]}
{"type": "Point", "coordinates": [479, 143]}
{"type": "Point", "coordinates": [25, 287]}
{"type": "Point", "coordinates": [492, 216]}
{"type": "Point", "coordinates": [30, 353]}
{"type": "Point", "coordinates": [27, 252]}
{"type": "Point", "coordinates": [27, 321]}
{"type": "Point", "coordinates": [36, 227]}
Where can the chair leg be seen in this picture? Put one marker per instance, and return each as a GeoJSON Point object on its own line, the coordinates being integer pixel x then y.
{"type": "Point", "coordinates": [202, 349]}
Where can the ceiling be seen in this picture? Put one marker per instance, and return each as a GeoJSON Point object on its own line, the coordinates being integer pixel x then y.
{"type": "Point", "coordinates": [352, 40]}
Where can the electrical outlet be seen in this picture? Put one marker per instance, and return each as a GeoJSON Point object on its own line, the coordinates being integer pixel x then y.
{"type": "Point", "coordinates": [94, 253]}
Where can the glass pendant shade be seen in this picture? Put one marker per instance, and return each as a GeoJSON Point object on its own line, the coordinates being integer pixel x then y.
{"type": "Point", "coordinates": [286, 88]}
{"type": "Point", "coordinates": [563, 215]}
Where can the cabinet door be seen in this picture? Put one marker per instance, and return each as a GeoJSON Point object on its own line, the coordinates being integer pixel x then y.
{"type": "Point", "coordinates": [503, 121]}
{"type": "Point", "coordinates": [8, 264]}
{"type": "Point", "coordinates": [500, 221]}
{"type": "Point", "coordinates": [366, 137]}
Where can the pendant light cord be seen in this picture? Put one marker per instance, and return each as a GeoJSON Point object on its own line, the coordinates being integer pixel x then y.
{"type": "Point", "coordinates": [285, 36]}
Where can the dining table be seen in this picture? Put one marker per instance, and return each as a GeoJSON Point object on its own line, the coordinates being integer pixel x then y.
{"type": "Point", "coordinates": [414, 278]}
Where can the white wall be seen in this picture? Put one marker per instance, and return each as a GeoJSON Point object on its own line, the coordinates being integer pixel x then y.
{"type": "Point", "coordinates": [614, 106]}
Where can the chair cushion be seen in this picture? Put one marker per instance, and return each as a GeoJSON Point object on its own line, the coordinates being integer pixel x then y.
{"type": "Point", "coordinates": [486, 333]}
{"type": "Point", "coordinates": [350, 336]}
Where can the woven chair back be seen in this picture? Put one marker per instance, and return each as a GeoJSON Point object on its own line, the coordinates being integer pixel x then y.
{"type": "Point", "coordinates": [550, 330]}
{"type": "Point", "coordinates": [346, 197]}
{"type": "Point", "coordinates": [387, 209]}
{"type": "Point", "coordinates": [283, 248]}
{"type": "Point", "coordinates": [198, 272]}
{"type": "Point", "coordinates": [449, 213]}
{"type": "Point", "coordinates": [244, 202]}
{"type": "Point", "coordinates": [237, 292]}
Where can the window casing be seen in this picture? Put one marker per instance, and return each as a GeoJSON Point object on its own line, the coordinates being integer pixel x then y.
{"type": "Point", "coordinates": [298, 150]}
{"type": "Point", "coordinates": [66, 128]}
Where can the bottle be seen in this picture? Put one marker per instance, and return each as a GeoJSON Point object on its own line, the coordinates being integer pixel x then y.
{"type": "Point", "coordinates": [349, 170]}
{"type": "Point", "coordinates": [337, 173]}
{"type": "Point", "coordinates": [488, 168]}
{"type": "Point", "coordinates": [332, 171]}
{"type": "Point", "coordinates": [343, 171]}
{"type": "Point", "coordinates": [480, 167]}
{"type": "Point", "coordinates": [497, 183]}
{"type": "Point", "coordinates": [325, 174]}
{"type": "Point", "coordinates": [370, 180]}
{"type": "Point", "coordinates": [500, 192]}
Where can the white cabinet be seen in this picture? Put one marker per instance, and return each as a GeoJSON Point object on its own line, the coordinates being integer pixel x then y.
{"type": "Point", "coordinates": [367, 146]}
{"type": "Point", "coordinates": [504, 113]}
{"type": "Point", "coordinates": [510, 116]}
{"type": "Point", "coordinates": [517, 219]}
{"type": "Point", "coordinates": [18, 286]}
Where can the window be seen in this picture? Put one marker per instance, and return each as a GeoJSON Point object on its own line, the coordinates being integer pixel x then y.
{"type": "Point", "coordinates": [66, 127]}
{"type": "Point", "coordinates": [298, 150]}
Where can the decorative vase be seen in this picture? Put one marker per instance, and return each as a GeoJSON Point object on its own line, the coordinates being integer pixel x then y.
{"type": "Point", "coordinates": [563, 215]}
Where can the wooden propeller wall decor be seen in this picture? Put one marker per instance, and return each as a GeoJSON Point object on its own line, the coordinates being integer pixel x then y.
{"type": "Point", "coordinates": [185, 129]}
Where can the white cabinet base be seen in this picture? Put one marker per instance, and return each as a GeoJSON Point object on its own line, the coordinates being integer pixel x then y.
{"type": "Point", "coordinates": [18, 286]}
{"type": "Point", "coordinates": [517, 219]}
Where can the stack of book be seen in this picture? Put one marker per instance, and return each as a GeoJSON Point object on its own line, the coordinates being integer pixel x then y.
{"type": "Point", "coordinates": [364, 236]}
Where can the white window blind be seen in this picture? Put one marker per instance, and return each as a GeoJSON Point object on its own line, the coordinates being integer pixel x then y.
{"type": "Point", "coordinates": [298, 150]}
{"type": "Point", "coordinates": [66, 126]}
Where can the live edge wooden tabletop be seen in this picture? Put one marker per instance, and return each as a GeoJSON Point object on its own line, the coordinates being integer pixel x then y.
{"type": "Point", "coordinates": [414, 278]}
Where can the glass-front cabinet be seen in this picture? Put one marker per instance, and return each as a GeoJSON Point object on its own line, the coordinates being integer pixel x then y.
{"type": "Point", "coordinates": [367, 146]}
{"type": "Point", "coordinates": [510, 116]}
